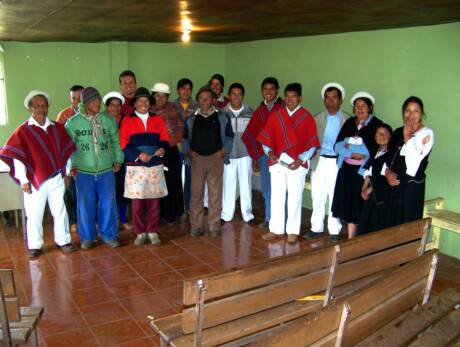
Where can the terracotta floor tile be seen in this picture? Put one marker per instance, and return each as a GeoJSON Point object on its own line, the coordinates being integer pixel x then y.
{"type": "Point", "coordinates": [173, 295]}
{"type": "Point", "coordinates": [144, 342]}
{"type": "Point", "coordinates": [86, 280]}
{"type": "Point", "coordinates": [182, 261]}
{"type": "Point", "coordinates": [138, 255]}
{"type": "Point", "coordinates": [59, 321]}
{"type": "Point", "coordinates": [145, 304]}
{"type": "Point", "coordinates": [114, 333]}
{"type": "Point", "coordinates": [196, 270]}
{"type": "Point", "coordinates": [118, 274]}
{"type": "Point", "coordinates": [152, 267]}
{"type": "Point", "coordinates": [131, 287]}
{"type": "Point", "coordinates": [92, 296]}
{"type": "Point", "coordinates": [165, 280]}
{"type": "Point", "coordinates": [103, 313]}
{"type": "Point", "coordinates": [108, 262]}
{"type": "Point", "coordinates": [76, 338]}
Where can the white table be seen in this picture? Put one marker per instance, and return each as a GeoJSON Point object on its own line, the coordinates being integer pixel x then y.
{"type": "Point", "coordinates": [10, 194]}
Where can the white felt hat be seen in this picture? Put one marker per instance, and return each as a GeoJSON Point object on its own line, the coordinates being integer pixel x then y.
{"type": "Point", "coordinates": [33, 94]}
{"type": "Point", "coordinates": [161, 88]}
{"type": "Point", "coordinates": [111, 95]}
{"type": "Point", "coordinates": [333, 85]}
{"type": "Point", "coordinates": [362, 95]}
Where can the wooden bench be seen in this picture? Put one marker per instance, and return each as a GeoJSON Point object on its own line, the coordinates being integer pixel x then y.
{"type": "Point", "coordinates": [226, 306]}
{"type": "Point", "coordinates": [441, 219]}
{"type": "Point", "coordinates": [351, 319]}
{"type": "Point", "coordinates": [18, 324]}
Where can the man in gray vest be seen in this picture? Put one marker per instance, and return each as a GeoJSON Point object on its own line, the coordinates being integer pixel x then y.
{"type": "Point", "coordinates": [324, 166]}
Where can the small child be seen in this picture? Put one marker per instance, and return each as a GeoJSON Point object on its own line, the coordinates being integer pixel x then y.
{"type": "Point", "coordinates": [375, 187]}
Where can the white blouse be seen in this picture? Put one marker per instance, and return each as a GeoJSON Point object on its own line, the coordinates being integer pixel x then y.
{"type": "Point", "coordinates": [417, 148]}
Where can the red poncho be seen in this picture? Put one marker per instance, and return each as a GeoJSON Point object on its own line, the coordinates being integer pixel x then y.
{"type": "Point", "coordinates": [43, 153]}
{"type": "Point", "coordinates": [293, 135]}
{"type": "Point", "coordinates": [258, 119]}
{"type": "Point", "coordinates": [127, 108]}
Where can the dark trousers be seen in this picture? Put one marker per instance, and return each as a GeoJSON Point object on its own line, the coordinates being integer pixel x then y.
{"type": "Point", "coordinates": [146, 215]}
{"type": "Point", "coordinates": [70, 200]}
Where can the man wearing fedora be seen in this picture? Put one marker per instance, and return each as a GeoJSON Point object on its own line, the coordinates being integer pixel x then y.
{"type": "Point", "coordinates": [324, 166]}
{"type": "Point", "coordinates": [97, 157]}
{"type": "Point", "coordinates": [37, 154]}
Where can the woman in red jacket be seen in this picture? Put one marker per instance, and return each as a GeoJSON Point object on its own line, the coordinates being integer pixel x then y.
{"type": "Point", "coordinates": [144, 138]}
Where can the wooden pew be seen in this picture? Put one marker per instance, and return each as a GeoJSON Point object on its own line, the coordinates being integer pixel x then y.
{"type": "Point", "coordinates": [226, 306]}
{"type": "Point", "coordinates": [351, 319]}
{"type": "Point", "coordinates": [17, 324]}
{"type": "Point", "coordinates": [441, 219]}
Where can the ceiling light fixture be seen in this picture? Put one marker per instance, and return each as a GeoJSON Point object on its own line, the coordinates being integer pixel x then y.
{"type": "Point", "coordinates": [186, 24]}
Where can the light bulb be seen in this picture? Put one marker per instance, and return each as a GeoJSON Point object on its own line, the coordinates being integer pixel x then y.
{"type": "Point", "coordinates": [186, 37]}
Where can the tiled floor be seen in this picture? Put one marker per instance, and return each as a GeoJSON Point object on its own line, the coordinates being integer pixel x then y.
{"type": "Point", "coordinates": [102, 297]}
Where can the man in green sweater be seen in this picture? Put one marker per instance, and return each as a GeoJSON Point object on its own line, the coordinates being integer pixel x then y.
{"type": "Point", "coordinates": [97, 157]}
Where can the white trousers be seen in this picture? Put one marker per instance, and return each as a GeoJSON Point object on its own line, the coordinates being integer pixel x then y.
{"type": "Point", "coordinates": [322, 189]}
{"type": "Point", "coordinates": [293, 182]}
{"type": "Point", "coordinates": [238, 172]}
{"type": "Point", "coordinates": [52, 190]}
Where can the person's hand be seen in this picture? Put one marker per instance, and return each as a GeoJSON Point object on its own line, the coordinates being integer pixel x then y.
{"type": "Point", "coordinates": [145, 157]}
{"type": "Point", "coordinates": [192, 154]}
{"type": "Point", "coordinates": [116, 167]}
{"type": "Point", "coordinates": [357, 156]}
{"type": "Point", "coordinates": [220, 153]}
{"type": "Point", "coordinates": [26, 188]}
{"type": "Point", "coordinates": [73, 172]}
{"type": "Point", "coordinates": [392, 178]}
{"type": "Point", "coordinates": [272, 156]}
{"type": "Point", "coordinates": [295, 164]}
{"type": "Point", "coordinates": [347, 145]}
{"type": "Point", "coordinates": [365, 193]}
{"type": "Point", "coordinates": [426, 139]}
{"type": "Point", "coordinates": [160, 152]}
{"type": "Point", "coordinates": [255, 166]}
{"type": "Point", "coordinates": [67, 181]}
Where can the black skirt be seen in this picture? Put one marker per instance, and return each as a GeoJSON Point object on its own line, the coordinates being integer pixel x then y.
{"type": "Point", "coordinates": [347, 201]}
{"type": "Point", "coordinates": [405, 202]}
{"type": "Point", "coordinates": [373, 215]}
{"type": "Point", "coordinates": [172, 205]}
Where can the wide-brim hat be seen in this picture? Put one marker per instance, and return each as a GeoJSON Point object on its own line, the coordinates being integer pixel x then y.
{"type": "Point", "coordinates": [362, 94]}
{"type": "Point", "coordinates": [333, 85]}
{"type": "Point", "coordinates": [112, 95]}
{"type": "Point", "coordinates": [32, 94]}
{"type": "Point", "coordinates": [141, 92]}
{"type": "Point", "coordinates": [161, 88]}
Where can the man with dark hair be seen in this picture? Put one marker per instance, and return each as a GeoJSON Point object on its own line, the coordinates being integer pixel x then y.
{"type": "Point", "coordinates": [127, 80]}
{"type": "Point", "coordinates": [289, 140]}
{"type": "Point", "coordinates": [324, 167]}
{"type": "Point", "coordinates": [37, 154]}
{"type": "Point", "coordinates": [208, 140]}
{"type": "Point", "coordinates": [217, 86]}
{"type": "Point", "coordinates": [186, 106]}
{"type": "Point", "coordinates": [239, 171]}
{"type": "Point", "coordinates": [70, 111]}
{"type": "Point", "coordinates": [271, 103]}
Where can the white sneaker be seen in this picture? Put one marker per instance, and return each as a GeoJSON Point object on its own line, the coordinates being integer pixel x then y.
{"type": "Point", "coordinates": [154, 238]}
{"type": "Point", "coordinates": [140, 239]}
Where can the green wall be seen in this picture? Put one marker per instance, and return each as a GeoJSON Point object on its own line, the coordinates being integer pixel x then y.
{"type": "Point", "coordinates": [54, 67]}
{"type": "Point", "coordinates": [391, 64]}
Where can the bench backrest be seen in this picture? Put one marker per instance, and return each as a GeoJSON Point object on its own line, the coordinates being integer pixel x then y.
{"type": "Point", "coordinates": [369, 309]}
{"type": "Point", "coordinates": [238, 293]}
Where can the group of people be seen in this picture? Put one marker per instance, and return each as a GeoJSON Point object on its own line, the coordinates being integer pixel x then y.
{"type": "Point", "coordinates": [195, 157]}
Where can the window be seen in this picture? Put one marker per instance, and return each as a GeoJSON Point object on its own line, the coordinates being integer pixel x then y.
{"type": "Point", "coordinates": [3, 116]}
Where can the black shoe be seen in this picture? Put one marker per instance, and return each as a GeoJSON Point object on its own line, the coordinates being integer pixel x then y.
{"type": "Point", "coordinates": [67, 248]}
{"type": "Point", "coordinates": [334, 238]}
{"type": "Point", "coordinates": [311, 235]}
{"type": "Point", "coordinates": [170, 221]}
{"type": "Point", "coordinates": [34, 253]}
{"type": "Point", "coordinates": [222, 222]}
{"type": "Point", "coordinates": [205, 211]}
{"type": "Point", "coordinates": [251, 222]}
